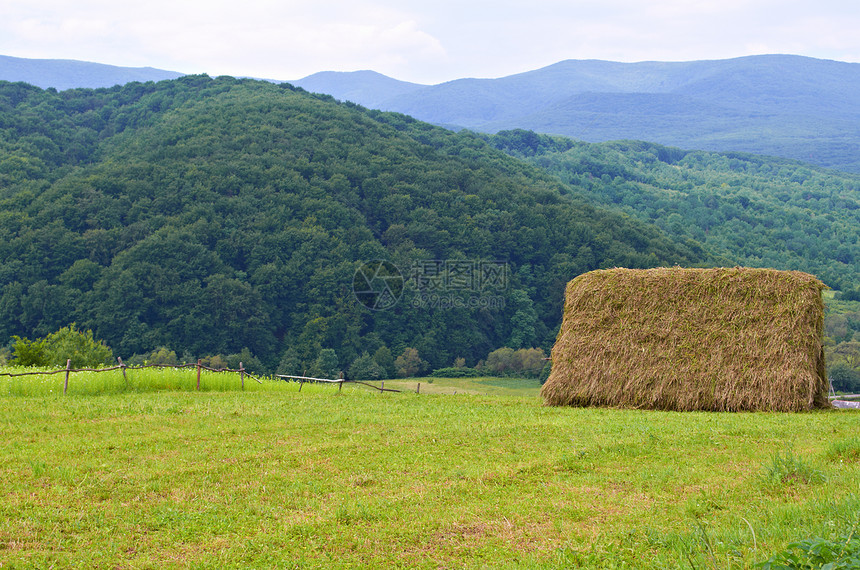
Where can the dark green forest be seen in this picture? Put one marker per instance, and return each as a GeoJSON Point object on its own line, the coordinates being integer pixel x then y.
{"type": "Point", "coordinates": [223, 216]}
{"type": "Point", "coordinates": [745, 209]}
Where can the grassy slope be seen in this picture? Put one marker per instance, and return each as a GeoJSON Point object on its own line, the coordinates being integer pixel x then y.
{"type": "Point", "coordinates": [282, 478]}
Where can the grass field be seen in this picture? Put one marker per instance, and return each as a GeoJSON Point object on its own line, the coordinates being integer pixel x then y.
{"type": "Point", "coordinates": [274, 477]}
{"type": "Point", "coordinates": [475, 386]}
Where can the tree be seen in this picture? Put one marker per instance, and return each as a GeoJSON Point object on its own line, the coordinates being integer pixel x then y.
{"type": "Point", "coordinates": [163, 356]}
{"type": "Point", "coordinates": [528, 362]}
{"type": "Point", "coordinates": [326, 364]}
{"type": "Point", "coordinates": [248, 361]}
{"type": "Point", "coordinates": [849, 352]}
{"type": "Point", "coordinates": [290, 363]}
{"type": "Point", "coordinates": [501, 360]}
{"type": "Point", "coordinates": [365, 368]}
{"type": "Point", "coordinates": [850, 294]}
{"type": "Point", "coordinates": [843, 378]}
{"type": "Point", "coordinates": [523, 321]}
{"type": "Point", "coordinates": [545, 372]}
{"type": "Point", "coordinates": [214, 361]}
{"type": "Point", "coordinates": [409, 363]}
{"type": "Point", "coordinates": [385, 360]}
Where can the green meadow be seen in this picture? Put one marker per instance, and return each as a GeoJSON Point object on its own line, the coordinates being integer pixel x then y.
{"type": "Point", "coordinates": [156, 474]}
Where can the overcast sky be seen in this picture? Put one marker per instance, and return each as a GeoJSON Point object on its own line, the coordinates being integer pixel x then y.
{"type": "Point", "coordinates": [430, 41]}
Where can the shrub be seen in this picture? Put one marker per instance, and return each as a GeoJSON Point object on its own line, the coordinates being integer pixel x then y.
{"type": "Point", "coordinates": [68, 343]}
{"type": "Point", "coordinates": [817, 553]}
{"type": "Point", "coordinates": [528, 362]}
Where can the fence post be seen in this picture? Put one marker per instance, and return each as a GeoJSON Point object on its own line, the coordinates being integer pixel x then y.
{"type": "Point", "coordinates": [242, 375]}
{"type": "Point", "coordinates": [68, 367]}
{"type": "Point", "coordinates": [418, 388]}
{"type": "Point", "coordinates": [122, 367]}
{"type": "Point", "coordinates": [198, 374]}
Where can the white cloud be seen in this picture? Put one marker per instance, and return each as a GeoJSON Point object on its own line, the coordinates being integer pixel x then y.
{"type": "Point", "coordinates": [418, 40]}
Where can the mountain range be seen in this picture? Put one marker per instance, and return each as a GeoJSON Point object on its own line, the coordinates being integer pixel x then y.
{"type": "Point", "coordinates": [781, 105]}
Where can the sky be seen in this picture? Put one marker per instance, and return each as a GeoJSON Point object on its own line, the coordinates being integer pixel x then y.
{"type": "Point", "coordinates": [429, 41]}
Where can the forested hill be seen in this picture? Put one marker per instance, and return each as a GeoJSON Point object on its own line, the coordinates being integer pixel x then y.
{"type": "Point", "coordinates": [212, 215]}
{"type": "Point", "coordinates": [748, 210]}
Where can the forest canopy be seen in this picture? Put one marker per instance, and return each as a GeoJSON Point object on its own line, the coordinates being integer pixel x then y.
{"type": "Point", "coordinates": [215, 216]}
{"type": "Point", "coordinates": [747, 210]}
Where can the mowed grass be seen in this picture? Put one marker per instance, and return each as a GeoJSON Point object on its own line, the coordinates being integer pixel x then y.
{"type": "Point", "coordinates": [478, 386]}
{"type": "Point", "coordinates": [275, 477]}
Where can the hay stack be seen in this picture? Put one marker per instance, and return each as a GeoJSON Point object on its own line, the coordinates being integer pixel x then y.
{"type": "Point", "coordinates": [691, 339]}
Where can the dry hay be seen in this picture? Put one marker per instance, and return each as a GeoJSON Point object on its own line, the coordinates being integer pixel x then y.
{"type": "Point", "coordinates": [691, 339]}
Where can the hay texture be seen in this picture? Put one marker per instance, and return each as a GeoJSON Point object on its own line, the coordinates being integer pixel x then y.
{"type": "Point", "coordinates": [691, 339]}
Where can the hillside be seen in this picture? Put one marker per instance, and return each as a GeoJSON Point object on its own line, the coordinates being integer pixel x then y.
{"type": "Point", "coordinates": [780, 105]}
{"type": "Point", "coordinates": [212, 215]}
{"type": "Point", "coordinates": [746, 209]}
{"type": "Point", "coordinates": [65, 74]}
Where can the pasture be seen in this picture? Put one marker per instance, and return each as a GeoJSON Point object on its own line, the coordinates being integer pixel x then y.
{"type": "Point", "coordinates": [272, 477]}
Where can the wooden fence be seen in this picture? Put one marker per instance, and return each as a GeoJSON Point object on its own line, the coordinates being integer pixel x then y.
{"type": "Point", "coordinates": [68, 370]}
{"type": "Point", "coordinates": [339, 381]}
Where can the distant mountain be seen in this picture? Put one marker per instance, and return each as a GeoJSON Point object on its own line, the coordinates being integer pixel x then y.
{"type": "Point", "coordinates": [64, 74]}
{"type": "Point", "coordinates": [367, 88]}
{"type": "Point", "coordinates": [783, 105]}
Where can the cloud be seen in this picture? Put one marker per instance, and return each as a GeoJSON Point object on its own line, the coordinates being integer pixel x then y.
{"type": "Point", "coordinates": [417, 40]}
{"type": "Point", "coordinates": [257, 37]}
